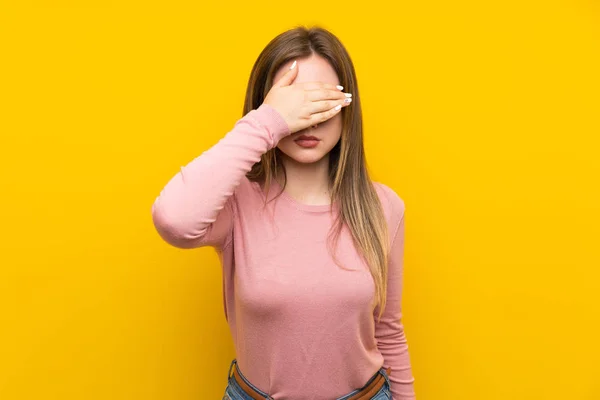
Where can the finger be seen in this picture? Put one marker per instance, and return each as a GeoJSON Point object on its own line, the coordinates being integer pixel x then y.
{"type": "Point", "coordinates": [318, 107]}
{"type": "Point", "coordinates": [288, 77]}
{"type": "Point", "coordinates": [325, 94]}
{"type": "Point", "coordinates": [320, 85]}
{"type": "Point", "coordinates": [325, 115]}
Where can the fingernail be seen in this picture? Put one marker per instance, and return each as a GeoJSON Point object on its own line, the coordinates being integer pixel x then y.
{"type": "Point", "coordinates": [338, 106]}
{"type": "Point", "coordinates": [348, 94]}
{"type": "Point", "coordinates": [293, 65]}
{"type": "Point", "coordinates": [348, 100]}
{"type": "Point", "coordinates": [339, 87]}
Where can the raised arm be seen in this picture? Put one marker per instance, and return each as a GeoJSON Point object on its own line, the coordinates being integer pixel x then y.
{"type": "Point", "coordinates": [195, 207]}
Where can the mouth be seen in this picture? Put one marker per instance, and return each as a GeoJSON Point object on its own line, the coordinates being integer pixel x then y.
{"type": "Point", "coordinates": [306, 137]}
{"type": "Point", "coordinates": [307, 141]}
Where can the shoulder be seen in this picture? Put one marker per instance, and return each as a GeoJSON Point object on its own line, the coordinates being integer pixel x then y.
{"type": "Point", "coordinates": [393, 205]}
{"type": "Point", "coordinates": [389, 198]}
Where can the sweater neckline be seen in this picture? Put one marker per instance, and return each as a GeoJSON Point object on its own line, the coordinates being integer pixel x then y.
{"type": "Point", "coordinates": [299, 205]}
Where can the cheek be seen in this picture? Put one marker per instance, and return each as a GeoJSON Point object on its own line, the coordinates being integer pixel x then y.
{"type": "Point", "coordinates": [285, 142]}
{"type": "Point", "coordinates": [332, 129]}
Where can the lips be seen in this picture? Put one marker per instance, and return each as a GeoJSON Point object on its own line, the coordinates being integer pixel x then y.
{"type": "Point", "coordinates": [306, 137]}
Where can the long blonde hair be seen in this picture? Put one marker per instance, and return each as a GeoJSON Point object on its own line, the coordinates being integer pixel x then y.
{"type": "Point", "coordinates": [359, 205]}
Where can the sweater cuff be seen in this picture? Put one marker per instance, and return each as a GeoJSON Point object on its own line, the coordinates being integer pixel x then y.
{"type": "Point", "coordinates": [273, 121]}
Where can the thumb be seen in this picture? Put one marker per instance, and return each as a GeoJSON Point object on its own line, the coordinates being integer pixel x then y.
{"type": "Point", "coordinates": [288, 77]}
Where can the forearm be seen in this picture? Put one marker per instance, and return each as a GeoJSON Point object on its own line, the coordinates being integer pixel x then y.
{"type": "Point", "coordinates": [193, 199]}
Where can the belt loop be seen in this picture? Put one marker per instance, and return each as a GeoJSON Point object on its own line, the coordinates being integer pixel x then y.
{"type": "Point", "coordinates": [230, 368]}
{"type": "Point", "coordinates": [229, 376]}
{"type": "Point", "coordinates": [386, 375]}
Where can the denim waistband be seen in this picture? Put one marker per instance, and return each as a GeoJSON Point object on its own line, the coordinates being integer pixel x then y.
{"type": "Point", "coordinates": [381, 371]}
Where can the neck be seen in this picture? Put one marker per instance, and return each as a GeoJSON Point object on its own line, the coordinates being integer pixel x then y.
{"type": "Point", "coordinates": [308, 183]}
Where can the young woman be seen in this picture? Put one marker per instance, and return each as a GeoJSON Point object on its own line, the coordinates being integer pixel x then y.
{"type": "Point", "coordinates": [312, 274]}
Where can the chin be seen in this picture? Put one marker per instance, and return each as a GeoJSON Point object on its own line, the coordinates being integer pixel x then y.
{"type": "Point", "coordinates": [308, 156]}
{"type": "Point", "coordinates": [307, 159]}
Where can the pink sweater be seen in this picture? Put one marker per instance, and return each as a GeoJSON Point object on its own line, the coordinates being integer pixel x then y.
{"type": "Point", "coordinates": [302, 327]}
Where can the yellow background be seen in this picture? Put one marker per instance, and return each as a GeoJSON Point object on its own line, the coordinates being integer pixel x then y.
{"type": "Point", "coordinates": [483, 116]}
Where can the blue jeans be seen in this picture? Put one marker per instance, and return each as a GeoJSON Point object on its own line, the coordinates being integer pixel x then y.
{"type": "Point", "coordinates": [235, 392]}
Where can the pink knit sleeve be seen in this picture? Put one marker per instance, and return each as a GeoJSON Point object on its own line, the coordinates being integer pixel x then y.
{"type": "Point", "coordinates": [389, 332]}
{"type": "Point", "coordinates": [195, 208]}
